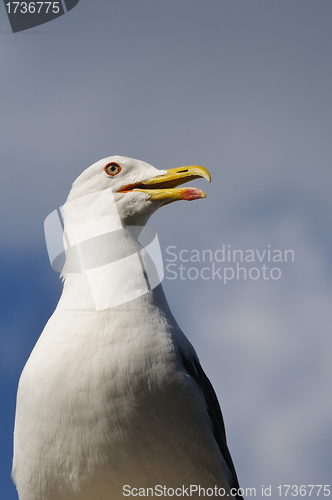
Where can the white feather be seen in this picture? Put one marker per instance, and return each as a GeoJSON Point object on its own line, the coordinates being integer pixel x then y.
{"type": "Point", "coordinates": [104, 400]}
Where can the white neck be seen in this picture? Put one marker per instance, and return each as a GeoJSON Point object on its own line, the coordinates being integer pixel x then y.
{"type": "Point", "coordinates": [109, 270]}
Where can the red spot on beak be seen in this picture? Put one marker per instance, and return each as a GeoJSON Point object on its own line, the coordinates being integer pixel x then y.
{"type": "Point", "coordinates": [191, 194]}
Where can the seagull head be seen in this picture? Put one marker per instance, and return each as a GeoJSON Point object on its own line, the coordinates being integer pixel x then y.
{"type": "Point", "coordinates": [138, 188]}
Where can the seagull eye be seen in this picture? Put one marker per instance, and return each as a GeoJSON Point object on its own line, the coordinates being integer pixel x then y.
{"type": "Point", "coordinates": [112, 168]}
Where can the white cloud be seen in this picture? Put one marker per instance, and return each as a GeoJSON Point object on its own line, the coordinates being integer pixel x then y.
{"type": "Point", "coordinates": [266, 346]}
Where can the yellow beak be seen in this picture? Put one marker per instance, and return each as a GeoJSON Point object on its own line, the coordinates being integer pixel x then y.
{"type": "Point", "coordinates": [164, 187]}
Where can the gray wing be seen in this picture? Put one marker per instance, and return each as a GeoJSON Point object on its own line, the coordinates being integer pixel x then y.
{"type": "Point", "coordinates": [194, 369]}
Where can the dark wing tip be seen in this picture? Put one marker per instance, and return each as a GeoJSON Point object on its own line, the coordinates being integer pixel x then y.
{"type": "Point", "coordinates": [194, 369]}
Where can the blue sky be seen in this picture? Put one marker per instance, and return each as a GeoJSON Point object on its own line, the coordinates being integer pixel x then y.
{"type": "Point", "coordinates": [242, 88]}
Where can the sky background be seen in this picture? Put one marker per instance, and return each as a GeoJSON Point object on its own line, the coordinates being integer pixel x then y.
{"type": "Point", "coordinates": [242, 88]}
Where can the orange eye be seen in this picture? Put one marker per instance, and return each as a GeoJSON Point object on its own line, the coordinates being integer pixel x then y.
{"type": "Point", "coordinates": [112, 168]}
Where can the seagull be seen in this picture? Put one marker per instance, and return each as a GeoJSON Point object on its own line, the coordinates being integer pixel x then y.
{"type": "Point", "coordinates": [113, 401]}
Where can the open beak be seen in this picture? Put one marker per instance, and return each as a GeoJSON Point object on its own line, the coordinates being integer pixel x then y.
{"type": "Point", "coordinates": [164, 187]}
